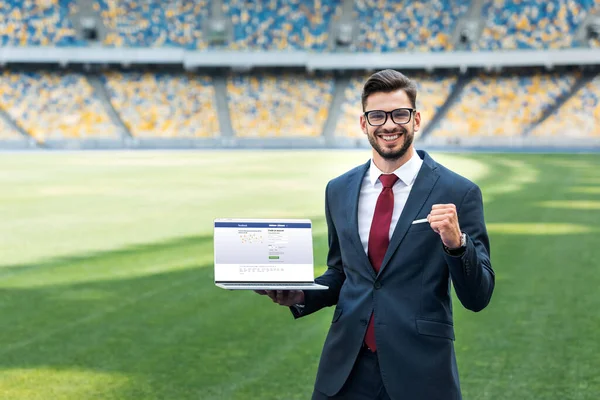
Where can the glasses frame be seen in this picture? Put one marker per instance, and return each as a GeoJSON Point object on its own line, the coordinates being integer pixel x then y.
{"type": "Point", "coordinates": [389, 113]}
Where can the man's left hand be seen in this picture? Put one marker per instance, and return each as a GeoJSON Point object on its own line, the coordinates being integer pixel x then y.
{"type": "Point", "coordinates": [444, 221]}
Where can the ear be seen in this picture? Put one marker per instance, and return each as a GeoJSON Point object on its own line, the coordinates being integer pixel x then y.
{"type": "Point", "coordinates": [363, 123]}
{"type": "Point", "coordinates": [417, 121]}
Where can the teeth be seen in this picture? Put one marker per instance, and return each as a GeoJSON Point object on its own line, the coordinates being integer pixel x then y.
{"type": "Point", "coordinates": [390, 138]}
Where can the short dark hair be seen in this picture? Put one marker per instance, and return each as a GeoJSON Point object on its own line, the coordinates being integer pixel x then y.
{"type": "Point", "coordinates": [386, 81]}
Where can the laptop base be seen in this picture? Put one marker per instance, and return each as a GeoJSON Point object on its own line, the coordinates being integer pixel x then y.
{"type": "Point", "coordinates": [270, 286]}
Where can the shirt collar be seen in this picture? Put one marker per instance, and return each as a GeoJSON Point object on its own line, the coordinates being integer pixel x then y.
{"type": "Point", "coordinates": [407, 173]}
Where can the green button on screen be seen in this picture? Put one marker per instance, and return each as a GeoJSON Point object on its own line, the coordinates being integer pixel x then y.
{"type": "Point", "coordinates": [273, 257]}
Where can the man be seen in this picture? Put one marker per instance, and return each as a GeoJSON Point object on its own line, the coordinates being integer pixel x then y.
{"type": "Point", "coordinates": [401, 227]}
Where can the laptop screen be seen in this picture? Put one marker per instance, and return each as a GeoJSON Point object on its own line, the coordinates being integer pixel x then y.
{"type": "Point", "coordinates": [252, 250]}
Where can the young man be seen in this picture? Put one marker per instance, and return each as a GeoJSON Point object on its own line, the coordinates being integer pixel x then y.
{"type": "Point", "coordinates": [401, 227]}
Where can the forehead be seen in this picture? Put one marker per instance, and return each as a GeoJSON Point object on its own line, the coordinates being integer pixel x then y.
{"type": "Point", "coordinates": [388, 101]}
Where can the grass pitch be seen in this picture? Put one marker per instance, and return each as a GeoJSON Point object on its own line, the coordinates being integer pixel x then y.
{"type": "Point", "coordinates": [106, 276]}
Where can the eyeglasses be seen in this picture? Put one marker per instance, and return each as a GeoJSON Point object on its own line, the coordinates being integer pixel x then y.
{"type": "Point", "coordinates": [379, 117]}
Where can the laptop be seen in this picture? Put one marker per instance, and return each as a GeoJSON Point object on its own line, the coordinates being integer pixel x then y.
{"type": "Point", "coordinates": [264, 254]}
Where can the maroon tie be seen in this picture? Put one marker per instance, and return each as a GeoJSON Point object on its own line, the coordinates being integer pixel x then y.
{"type": "Point", "coordinates": [379, 238]}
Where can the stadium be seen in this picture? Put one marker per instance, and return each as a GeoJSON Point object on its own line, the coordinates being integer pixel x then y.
{"type": "Point", "coordinates": [127, 126]}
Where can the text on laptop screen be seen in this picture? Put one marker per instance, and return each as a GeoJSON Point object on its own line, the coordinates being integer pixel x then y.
{"type": "Point", "coordinates": [263, 251]}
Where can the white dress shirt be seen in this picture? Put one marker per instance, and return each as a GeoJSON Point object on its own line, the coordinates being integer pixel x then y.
{"type": "Point", "coordinates": [371, 188]}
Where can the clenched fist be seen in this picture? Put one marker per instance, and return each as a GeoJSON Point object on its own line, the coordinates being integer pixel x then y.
{"type": "Point", "coordinates": [444, 221]}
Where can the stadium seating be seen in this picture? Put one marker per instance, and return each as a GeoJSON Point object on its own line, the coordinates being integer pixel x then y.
{"type": "Point", "coordinates": [164, 105]}
{"type": "Point", "coordinates": [283, 105]}
{"type": "Point", "coordinates": [54, 106]}
{"type": "Point", "coordinates": [532, 24]}
{"type": "Point", "coordinates": [37, 23]}
{"type": "Point", "coordinates": [154, 23]}
{"type": "Point", "coordinates": [280, 24]}
{"type": "Point", "coordinates": [498, 105]}
{"type": "Point", "coordinates": [432, 92]}
{"type": "Point", "coordinates": [7, 132]}
{"type": "Point", "coordinates": [386, 26]}
{"type": "Point", "coordinates": [261, 25]}
{"type": "Point", "coordinates": [579, 116]}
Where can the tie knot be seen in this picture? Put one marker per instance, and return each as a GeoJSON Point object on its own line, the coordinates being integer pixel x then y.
{"type": "Point", "coordinates": [388, 180]}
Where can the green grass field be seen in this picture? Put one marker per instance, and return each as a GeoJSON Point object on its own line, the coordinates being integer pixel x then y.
{"type": "Point", "coordinates": [106, 276]}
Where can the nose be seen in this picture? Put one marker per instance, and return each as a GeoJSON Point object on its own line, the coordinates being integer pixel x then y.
{"type": "Point", "coordinates": [389, 125]}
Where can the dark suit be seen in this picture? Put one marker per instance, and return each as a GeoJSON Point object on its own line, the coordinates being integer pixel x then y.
{"type": "Point", "coordinates": [411, 293]}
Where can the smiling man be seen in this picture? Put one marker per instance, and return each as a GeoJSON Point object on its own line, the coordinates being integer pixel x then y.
{"type": "Point", "coordinates": [401, 227]}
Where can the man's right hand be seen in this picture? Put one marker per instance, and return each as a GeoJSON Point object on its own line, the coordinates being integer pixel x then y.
{"type": "Point", "coordinates": [284, 297]}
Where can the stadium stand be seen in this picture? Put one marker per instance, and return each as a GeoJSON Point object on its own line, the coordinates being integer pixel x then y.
{"type": "Point", "coordinates": [279, 105]}
{"type": "Point", "coordinates": [407, 25]}
{"type": "Point", "coordinates": [432, 92]}
{"type": "Point", "coordinates": [54, 106]}
{"type": "Point", "coordinates": [7, 132]}
{"type": "Point", "coordinates": [532, 24]}
{"type": "Point", "coordinates": [503, 105]}
{"type": "Point", "coordinates": [579, 116]}
{"type": "Point", "coordinates": [37, 23]}
{"type": "Point", "coordinates": [257, 25]}
{"type": "Point", "coordinates": [154, 23]}
{"type": "Point", "coordinates": [164, 105]}
{"type": "Point", "coordinates": [280, 24]}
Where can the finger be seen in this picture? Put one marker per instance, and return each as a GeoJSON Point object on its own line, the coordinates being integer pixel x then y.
{"type": "Point", "coordinates": [451, 215]}
{"type": "Point", "coordinates": [436, 227]}
{"type": "Point", "coordinates": [447, 210]}
{"type": "Point", "coordinates": [435, 217]}
{"type": "Point", "coordinates": [438, 212]}
{"type": "Point", "coordinates": [440, 218]}
{"type": "Point", "coordinates": [284, 297]}
{"type": "Point", "coordinates": [272, 295]}
{"type": "Point", "coordinates": [437, 206]}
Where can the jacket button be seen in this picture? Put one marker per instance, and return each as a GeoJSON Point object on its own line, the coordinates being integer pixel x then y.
{"type": "Point", "coordinates": [377, 285]}
{"type": "Point", "coordinates": [363, 322]}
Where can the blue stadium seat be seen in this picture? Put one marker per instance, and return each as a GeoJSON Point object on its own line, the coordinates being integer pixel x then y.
{"type": "Point", "coordinates": [55, 106]}
{"type": "Point", "coordinates": [154, 23]}
{"type": "Point", "coordinates": [279, 105]}
{"type": "Point", "coordinates": [407, 25]}
{"type": "Point", "coordinates": [532, 24]}
{"type": "Point", "coordinates": [280, 24]}
{"type": "Point", "coordinates": [503, 105]}
{"type": "Point", "coordinates": [578, 117]}
{"type": "Point", "coordinates": [37, 23]}
{"type": "Point", "coordinates": [164, 105]}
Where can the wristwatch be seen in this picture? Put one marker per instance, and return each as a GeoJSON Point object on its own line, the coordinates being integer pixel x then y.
{"type": "Point", "coordinates": [459, 251]}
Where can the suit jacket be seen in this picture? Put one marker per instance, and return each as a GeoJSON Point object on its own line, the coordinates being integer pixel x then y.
{"type": "Point", "coordinates": [411, 293]}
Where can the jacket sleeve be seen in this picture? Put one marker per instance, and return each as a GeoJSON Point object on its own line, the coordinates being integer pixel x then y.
{"type": "Point", "coordinates": [333, 278]}
{"type": "Point", "coordinates": [472, 273]}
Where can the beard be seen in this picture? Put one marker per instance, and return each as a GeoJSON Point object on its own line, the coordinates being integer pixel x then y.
{"type": "Point", "coordinates": [387, 153]}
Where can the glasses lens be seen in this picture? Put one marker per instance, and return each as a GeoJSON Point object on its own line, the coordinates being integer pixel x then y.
{"type": "Point", "coordinates": [376, 117]}
{"type": "Point", "coordinates": [401, 116]}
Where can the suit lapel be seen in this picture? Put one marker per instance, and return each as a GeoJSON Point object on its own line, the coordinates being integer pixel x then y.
{"type": "Point", "coordinates": [354, 185]}
{"type": "Point", "coordinates": [422, 187]}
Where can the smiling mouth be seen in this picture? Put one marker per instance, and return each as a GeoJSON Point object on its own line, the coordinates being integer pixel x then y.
{"type": "Point", "coordinates": [390, 137]}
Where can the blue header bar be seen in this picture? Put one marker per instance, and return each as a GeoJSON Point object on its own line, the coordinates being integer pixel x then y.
{"type": "Point", "coordinates": [279, 225]}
